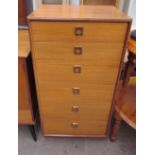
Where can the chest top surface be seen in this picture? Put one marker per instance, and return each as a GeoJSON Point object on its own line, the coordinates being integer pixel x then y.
{"type": "Point", "coordinates": [78, 13]}
{"type": "Point", "coordinates": [23, 43]}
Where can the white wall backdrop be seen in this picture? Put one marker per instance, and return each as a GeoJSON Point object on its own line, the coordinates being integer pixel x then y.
{"type": "Point", "coordinates": [129, 8]}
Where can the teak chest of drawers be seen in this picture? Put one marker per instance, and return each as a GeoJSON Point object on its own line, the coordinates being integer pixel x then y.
{"type": "Point", "coordinates": [77, 52]}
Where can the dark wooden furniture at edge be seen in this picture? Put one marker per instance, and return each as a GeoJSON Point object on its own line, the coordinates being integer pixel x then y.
{"type": "Point", "coordinates": [25, 7]}
{"type": "Point", "coordinates": [27, 101]}
{"type": "Point", "coordinates": [125, 102]}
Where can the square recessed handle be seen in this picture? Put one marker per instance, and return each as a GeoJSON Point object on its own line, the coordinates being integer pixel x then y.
{"type": "Point", "coordinates": [75, 124]}
{"type": "Point", "coordinates": [78, 50]}
{"type": "Point", "coordinates": [76, 90]}
{"type": "Point", "coordinates": [75, 108]}
{"type": "Point", "coordinates": [77, 68]}
{"type": "Point", "coordinates": [79, 31]}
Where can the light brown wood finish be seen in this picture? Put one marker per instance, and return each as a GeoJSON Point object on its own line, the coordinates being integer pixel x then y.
{"type": "Point", "coordinates": [22, 85]}
{"type": "Point", "coordinates": [89, 51]}
{"type": "Point", "coordinates": [65, 31]}
{"type": "Point", "coordinates": [132, 46]}
{"type": "Point", "coordinates": [126, 104]}
{"type": "Point", "coordinates": [78, 13]}
{"type": "Point", "coordinates": [25, 117]}
{"type": "Point", "coordinates": [125, 107]}
{"type": "Point", "coordinates": [117, 3]}
{"type": "Point", "coordinates": [62, 127]}
{"type": "Point", "coordinates": [53, 43]}
{"type": "Point", "coordinates": [23, 43]}
{"type": "Point", "coordinates": [25, 113]}
{"type": "Point", "coordinates": [57, 71]}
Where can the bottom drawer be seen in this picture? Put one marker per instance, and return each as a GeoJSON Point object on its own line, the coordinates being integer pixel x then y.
{"type": "Point", "coordinates": [57, 127]}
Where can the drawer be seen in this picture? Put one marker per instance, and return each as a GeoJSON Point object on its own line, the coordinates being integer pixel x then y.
{"type": "Point", "coordinates": [80, 51]}
{"type": "Point", "coordinates": [78, 71]}
{"type": "Point", "coordinates": [88, 110]}
{"type": "Point", "coordinates": [77, 31]}
{"type": "Point", "coordinates": [73, 127]}
{"type": "Point", "coordinates": [93, 103]}
{"type": "Point", "coordinates": [89, 95]}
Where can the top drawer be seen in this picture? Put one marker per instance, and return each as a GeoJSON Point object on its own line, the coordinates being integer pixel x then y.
{"type": "Point", "coordinates": [77, 31]}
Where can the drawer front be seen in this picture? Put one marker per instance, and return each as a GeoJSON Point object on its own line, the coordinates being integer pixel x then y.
{"type": "Point", "coordinates": [88, 94]}
{"type": "Point", "coordinates": [76, 67]}
{"type": "Point", "coordinates": [57, 82]}
{"type": "Point", "coordinates": [84, 110]}
{"type": "Point", "coordinates": [80, 51]}
{"type": "Point", "coordinates": [73, 127]}
{"type": "Point", "coordinates": [77, 71]}
{"type": "Point", "coordinates": [77, 31]}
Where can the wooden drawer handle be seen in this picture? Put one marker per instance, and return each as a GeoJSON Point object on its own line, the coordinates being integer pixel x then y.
{"type": "Point", "coordinates": [79, 31]}
{"type": "Point", "coordinates": [77, 69]}
{"type": "Point", "coordinates": [75, 125]}
{"type": "Point", "coordinates": [75, 108]}
{"type": "Point", "coordinates": [78, 50]}
{"type": "Point", "coordinates": [76, 90]}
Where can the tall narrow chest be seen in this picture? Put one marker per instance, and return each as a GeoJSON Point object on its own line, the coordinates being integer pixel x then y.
{"type": "Point", "coordinates": [77, 55]}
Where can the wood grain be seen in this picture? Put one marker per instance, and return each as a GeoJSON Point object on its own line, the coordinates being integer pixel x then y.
{"type": "Point", "coordinates": [65, 31]}
{"type": "Point", "coordinates": [23, 89]}
{"type": "Point", "coordinates": [25, 104]}
{"type": "Point", "coordinates": [78, 13]}
{"type": "Point", "coordinates": [23, 43]}
{"type": "Point", "coordinates": [87, 110]}
{"type": "Point", "coordinates": [25, 117]}
{"type": "Point", "coordinates": [64, 127]}
{"type": "Point", "coordinates": [56, 70]}
{"type": "Point", "coordinates": [66, 50]}
{"type": "Point", "coordinates": [24, 97]}
{"type": "Point", "coordinates": [53, 41]}
{"type": "Point", "coordinates": [125, 107]}
{"type": "Point", "coordinates": [126, 104]}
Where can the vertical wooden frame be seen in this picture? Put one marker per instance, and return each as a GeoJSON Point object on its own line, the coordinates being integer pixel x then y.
{"type": "Point", "coordinates": [25, 7]}
{"type": "Point", "coordinates": [22, 12]}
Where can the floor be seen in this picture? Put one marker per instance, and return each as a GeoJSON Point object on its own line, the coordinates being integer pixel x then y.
{"type": "Point", "coordinates": [125, 144]}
